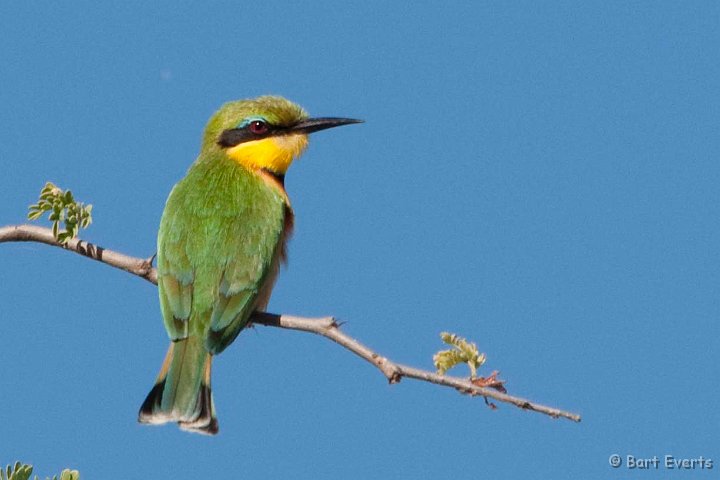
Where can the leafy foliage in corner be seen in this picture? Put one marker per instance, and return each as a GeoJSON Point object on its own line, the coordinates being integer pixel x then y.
{"type": "Point", "coordinates": [19, 472]}
{"type": "Point", "coordinates": [462, 352]}
{"type": "Point", "coordinates": [63, 208]}
{"type": "Point", "coordinates": [22, 471]}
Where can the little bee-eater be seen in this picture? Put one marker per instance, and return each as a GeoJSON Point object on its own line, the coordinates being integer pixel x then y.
{"type": "Point", "coordinates": [222, 237]}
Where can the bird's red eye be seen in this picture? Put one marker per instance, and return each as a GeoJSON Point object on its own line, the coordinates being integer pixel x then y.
{"type": "Point", "coordinates": [258, 127]}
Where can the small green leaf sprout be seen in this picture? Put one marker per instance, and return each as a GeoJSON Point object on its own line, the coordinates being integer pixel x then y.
{"type": "Point", "coordinates": [462, 352]}
{"type": "Point", "coordinates": [22, 471]}
{"type": "Point", "coordinates": [63, 208]}
{"type": "Point", "coordinates": [18, 472]}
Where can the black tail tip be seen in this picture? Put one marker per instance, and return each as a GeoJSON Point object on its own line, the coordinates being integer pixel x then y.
{"type": "Point", "coordinates": [210, 428]}
{"type": "Point", "coordinates": [150, 409]}
{"type": "Point", "coordinates": [203, 421]}
{"type": "Point", "coordinates": [206, 421]}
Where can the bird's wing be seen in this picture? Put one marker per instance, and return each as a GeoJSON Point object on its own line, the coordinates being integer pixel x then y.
{"type": "Point", "coordinates": [245, 275]}
{"type": "Point", "coordinates": [218, 246]}
{"type": "Point", "coordinates": [175, 282]}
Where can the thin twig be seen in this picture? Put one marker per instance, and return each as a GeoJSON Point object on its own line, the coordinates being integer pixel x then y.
{"type": "Point", "coordinates": [31, 233]}
{"type": "Point", "coordinates": [325, 326]}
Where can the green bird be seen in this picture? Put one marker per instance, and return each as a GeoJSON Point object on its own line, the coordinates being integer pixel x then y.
{"type": "Point", "coordinates": [222, 237]}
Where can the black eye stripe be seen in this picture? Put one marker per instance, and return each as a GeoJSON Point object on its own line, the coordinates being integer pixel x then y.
{"type": "Point", "coordinates": [235, 136]}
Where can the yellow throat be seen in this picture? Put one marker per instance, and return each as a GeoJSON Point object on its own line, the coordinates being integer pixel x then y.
{"type": "Point", "coordinates": [273, 153]}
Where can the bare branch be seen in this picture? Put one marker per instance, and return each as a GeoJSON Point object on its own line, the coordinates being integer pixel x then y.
{"type": "Point", "coordinates": [326, 326]}
{"type": "Point", "coordinates": [31, 233]}
{"type": "Point", "coordinates": [394, 372]}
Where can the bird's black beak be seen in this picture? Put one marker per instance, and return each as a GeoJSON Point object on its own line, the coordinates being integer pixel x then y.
{"type": "Point", "coordinates": [316, 124]}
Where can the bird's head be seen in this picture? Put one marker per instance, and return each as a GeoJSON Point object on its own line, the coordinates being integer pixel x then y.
{"type": "Point", "coordinates": [264, 133]}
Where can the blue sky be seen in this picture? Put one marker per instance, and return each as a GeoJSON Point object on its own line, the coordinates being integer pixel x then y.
{"type": "Point", "coordinates": [542, 179]}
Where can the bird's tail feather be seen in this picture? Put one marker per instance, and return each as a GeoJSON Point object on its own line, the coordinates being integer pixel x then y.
{"type": "Point", "coordinates": [182, 391]}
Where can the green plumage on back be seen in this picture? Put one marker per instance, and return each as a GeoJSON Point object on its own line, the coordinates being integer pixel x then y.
{"type": "Point", "coordinates": [222, 236]}
{"type": "Point", "coordinates": [219, 237]}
